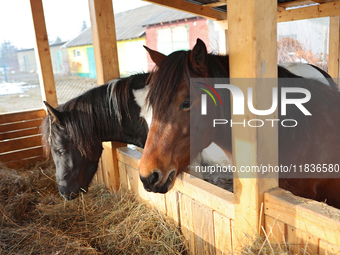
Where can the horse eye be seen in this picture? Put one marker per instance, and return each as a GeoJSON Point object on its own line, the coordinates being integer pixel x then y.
{"type": "Point", "coordinates": [61, 152]}
{"type": "Point", "coordinates": [185, 105]}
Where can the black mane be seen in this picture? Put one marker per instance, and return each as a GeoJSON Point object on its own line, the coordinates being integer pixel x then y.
{"type": "Point", "coordinates": [94, 115]}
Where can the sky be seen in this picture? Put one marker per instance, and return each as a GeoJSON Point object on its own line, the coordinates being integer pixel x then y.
{"type": "Point", "coordinates": [64, 18]}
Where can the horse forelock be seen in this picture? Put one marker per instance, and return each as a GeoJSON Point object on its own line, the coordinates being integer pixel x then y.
{"type": "Point", "coordinates": [172, 71]}
{"type": "Point", "coordinates": [165, 81]}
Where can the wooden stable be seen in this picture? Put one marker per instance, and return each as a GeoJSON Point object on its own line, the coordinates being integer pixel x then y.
{"type": "Point", "coordinates": [213, 220]}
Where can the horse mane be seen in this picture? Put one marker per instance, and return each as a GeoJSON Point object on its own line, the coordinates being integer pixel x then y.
{"type": "Point", "coordinates": [174, 70]}
{"type": "Point", "coordinates": [93, 115]}
{"type": "Point", "coordinates": [170, 73]}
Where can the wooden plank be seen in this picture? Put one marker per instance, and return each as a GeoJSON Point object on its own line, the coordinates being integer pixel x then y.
{"type": "Point", "coordinates": [20, 125]}
{"type": "Point", "coordinates": [203, 11]}
{"type": "Point", "coordinates": [20, 143]}
{"type": "Point", "coordinates": [212, 196]}
{"type": "Point", "coordinates": [325, 1]}
{"type": "Point", "coordinates": [328, 249]}
{"type": "Point", "coordinates": [203, 228]}
{"type": "Point", "coordinates": [27, 153]}
{"type": "Point", "coordinates": [20, 133]}
{"type": "Point", "coordinates": [276, 230]}
{"type": "Point", "coordinates": [129, 157]}
{"type": "Point", "coordinates": [296, 3]}
{"type": "Point", "coordinates": [24, 163]}
{"type": "Point", "coordinates": [222, 228]}
{"type": "Point", "coordinates": [301, 242]}
{"type": "Point", "coordinates": [311, 12]}
{"type": "Point", "coordinates": [122, 175]}
{"type": "Point", "coordinates": [43, 56]}
{"type": "Point", "coordinates": [20, 116]}
{"type": "Point", "coordinates": [253, 54]}
{"type": "Point", "coordinates": [216, 4]}
{"type": "Point", "coordinates": [334, 49]}
{"type": "Point", "coordinates": [316, 218]}
{"type": "Point", "coordinates": [133, 180]}
{"type": "Point", "coordinates": [100, 171]}
{"type": "Point", "coordinates": [111, 173]}
{"type": "Point", "coordinates": [155, 200]}
{"type": "Point", "coordinates": [186, 220]}
{"type": "Point", "coordinates": [106, 56]}
{"type": "Point", "coordinates": [104, 40]}
{"type": "Point", "coordinates": [172, 205]}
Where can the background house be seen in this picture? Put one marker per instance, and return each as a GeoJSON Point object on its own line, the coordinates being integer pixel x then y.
{"type": "Point", "coordinates": [159, 28]}
{"type": "Point", "coordinates": [59, 57]}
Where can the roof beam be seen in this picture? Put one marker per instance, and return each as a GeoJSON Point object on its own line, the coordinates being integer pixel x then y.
{"type": "Point", "coordinates": [216, 4]}
{"type": "Point", "coordinates": [203, 11]}
{"type": "Point", "coordinates": [310, 12]}
{"type": "Point", "coordinates": [325, 1]}
{"type": "Point", "coordinates": [296, 3]}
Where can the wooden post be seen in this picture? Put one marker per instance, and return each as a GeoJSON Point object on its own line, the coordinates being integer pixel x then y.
{"type": "Point", "coordinates": [334, 49]}
{"type": "Point", "coordinates": [106, 56]}
{"type": "Point", "coordinates": [252, 44]}
{"type": "Point", "coordinates": [43, 55]}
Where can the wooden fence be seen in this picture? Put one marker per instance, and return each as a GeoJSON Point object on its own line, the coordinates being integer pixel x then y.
{"type": "Point", "coordinates": [20, 140]}
{"type": "Point", "coordinates": [205, 214]}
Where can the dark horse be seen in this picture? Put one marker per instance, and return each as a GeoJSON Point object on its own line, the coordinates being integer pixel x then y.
{"type": "Point", "coordinates": [74, 131]}
{"type": "Point", "coordinates": [167, 149]}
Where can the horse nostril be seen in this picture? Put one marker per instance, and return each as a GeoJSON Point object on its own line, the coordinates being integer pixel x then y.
{"type": "Point", "coordinates": [153, 179]}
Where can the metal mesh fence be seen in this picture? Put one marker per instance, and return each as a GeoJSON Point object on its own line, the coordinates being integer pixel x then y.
{"type": "Point", "coordinates": [69, 87]}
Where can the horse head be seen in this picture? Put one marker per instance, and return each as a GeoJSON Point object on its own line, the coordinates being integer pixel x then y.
{"type": "Point", "coordinates": [167, 150]}
{"type": "Point", "coordinates": [74, 170]}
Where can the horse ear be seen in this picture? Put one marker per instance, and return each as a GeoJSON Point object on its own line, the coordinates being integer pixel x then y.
{"type": "Point", "coordinates": [155, 55]}
{"type": "Point", "coordinates": [55, 114]}
{"type": "Point", "coordinates": [198, 57]}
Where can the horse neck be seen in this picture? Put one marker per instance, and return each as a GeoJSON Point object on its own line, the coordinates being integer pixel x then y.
{"type": "Point", "coordinates": [119, 124]}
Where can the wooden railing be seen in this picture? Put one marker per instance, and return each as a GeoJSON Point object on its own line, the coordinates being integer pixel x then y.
{"type": "Point", "coordinates": [20, 140]}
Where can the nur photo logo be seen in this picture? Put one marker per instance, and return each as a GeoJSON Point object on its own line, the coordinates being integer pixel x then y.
{"type": "Point", "coordinates": [238, 103]}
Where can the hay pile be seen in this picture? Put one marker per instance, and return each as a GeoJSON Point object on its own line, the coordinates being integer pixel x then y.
{"type": "Point", "coordinates": [34, 219]}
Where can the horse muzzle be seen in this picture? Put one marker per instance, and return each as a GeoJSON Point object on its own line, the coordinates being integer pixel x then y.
{"type": "Point", "coordinates": [71, 195]}
{"type": "Point", "coordinates": [152, 183]}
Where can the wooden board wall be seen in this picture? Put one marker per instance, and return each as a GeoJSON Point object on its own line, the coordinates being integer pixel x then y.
{"type": "Point", "coordinates": [203, 211]}
{"type": "Point", "coordinates": [205, 214]}
{"type": "Point", "coordinates": [20, 139]}
{"type": "Point", "coordinates": [303, 225]}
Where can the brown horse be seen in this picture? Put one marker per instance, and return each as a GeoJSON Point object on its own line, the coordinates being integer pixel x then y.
{"type": "Point", "coordinates": [167, 150]}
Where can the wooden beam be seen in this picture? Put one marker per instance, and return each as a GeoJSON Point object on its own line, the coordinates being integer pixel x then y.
{"type": "Point", "coordinates": [216, 4]}
{"type": "Point", "coordinates": [20, 116]}
{"type": "Point", "coordinates": [43, 55]}
{"type": "Point", "coordinates": [20, 125]}
{"type": "Point", "coordinates": [317, 219]}
{"type": "Point", "coordinates": [311, 12]}
{"type": "Point", "coordinates": [199, 10]}
{"type": "Point", "coordinates": [296, 3]}
{"type": "Point", "coordinates": [253, 54]}
{"type": "Point", "coordinates": [20, 143]}
{"type": "Point", "coordinates": [325, 1]}
{"type": "Point", "coordinates": [334, 49]}
{"type": "Point", "coordinates": [104, 40]}
{"type": "Point", "coordinates": [106, 56]}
